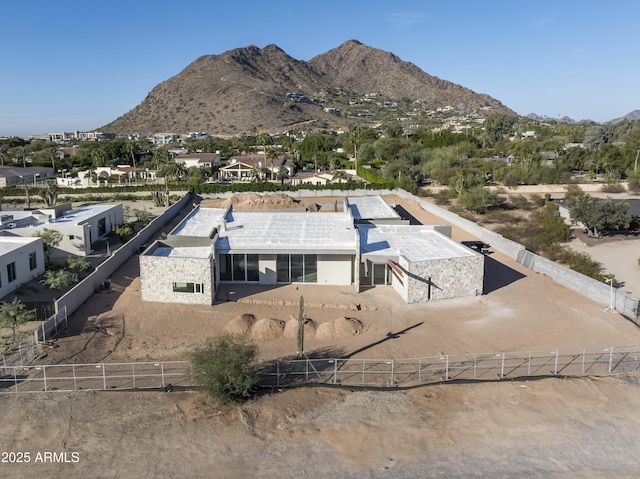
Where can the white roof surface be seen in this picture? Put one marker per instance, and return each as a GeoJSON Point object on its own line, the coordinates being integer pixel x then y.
{"type": "Point", "coordinates": [200, 222]}
{"type": "Point", "coordinates": [370, 207]}
{"type": "Point", "coordinates": [11, 243]}
{"type": "Point", "coordinates": [415, 243]}
{"type": "Point", "coordinates": [287, 232]}
{"type": "Point", "coordinates": [183, 252]}
{"type": "Point", "coordinates": [78, 216]}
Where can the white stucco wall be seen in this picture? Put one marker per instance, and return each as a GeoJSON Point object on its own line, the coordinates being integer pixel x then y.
{"type": "Point", "coordinates": [334, 269]}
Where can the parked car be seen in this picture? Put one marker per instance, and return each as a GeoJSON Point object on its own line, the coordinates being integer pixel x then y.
{"type": "Point", "coordinates": [479, 246]}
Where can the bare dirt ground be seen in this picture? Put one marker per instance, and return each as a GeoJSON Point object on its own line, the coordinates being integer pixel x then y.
{"type": "Point", "coordinates": [556, 427]}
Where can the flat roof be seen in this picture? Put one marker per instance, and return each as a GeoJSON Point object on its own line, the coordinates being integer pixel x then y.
{"type": "Point", "coordinates": [370, 207]}
{"type": "Point", "coordinates": [286, 232]}
{"type": "Point", "coordinates": [200, 222]}
{"type": "Point", "coordinates": [12, 243]}
{"type": "Point", "coordinates": [415, 243]}
{"type": "Point", "coordinates": [82, 214]}
{"type": "Point", "coordinates": [183, 251]}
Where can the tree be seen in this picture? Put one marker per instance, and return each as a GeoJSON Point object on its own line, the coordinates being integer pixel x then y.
{"type": "Point", "coordinates": [50, 239]}
{"type": "Point", "coordinates": [49, 194]}
{"type": "Point", "coordinates": [14, 313]}
{"type": "Point", "coordinates": [76, 265]}
{"type": "Point", "coordinates": [496, 127]}
{"type": "Point", "coordinates": [225, 367]}
{"type": "Point", "coordinates": [57, 280]}
{"type": "Point", "coordinates": [478, 199]}
{"type": "Point", "coordinates": [599, 214]}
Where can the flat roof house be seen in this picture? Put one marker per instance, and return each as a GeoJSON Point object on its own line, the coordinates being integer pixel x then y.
{"type": "Point", "coordinates": [214, 245]}
{"type": "Point", "coordinates": [80, 228]}
{"type": "Point", "coordinates": [21, 260]}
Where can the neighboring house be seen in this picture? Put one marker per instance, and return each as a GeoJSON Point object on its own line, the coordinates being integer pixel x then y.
{"type": "Point", "coordinates": [201, 160]}
{"type": "Point", "coordinates": [125, 173]}
{"type": "Point", "coordinates": [319, 178]}
{"type": "Point", "coordinates": [11, 175]}
{"type": "Point", "coordinates": [247, 168]}
{"type": "Point", "coordinates": [213, 246]}
{"type": "Point", "coordinates": [80, 228]}
{"type": "Point", "coordinates": [165, 138]}
{"type": "Point", "coordinates": [21, 260]}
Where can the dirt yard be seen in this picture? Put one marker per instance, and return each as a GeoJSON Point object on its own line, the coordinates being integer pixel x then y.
{"type": "Point", "coordinates": [556, 427]}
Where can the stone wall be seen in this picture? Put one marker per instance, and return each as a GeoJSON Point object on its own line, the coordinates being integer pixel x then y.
{"type": "Point", "coordinates": [440, 279]}
{"type": "Point", "coordinates": [158, 273]}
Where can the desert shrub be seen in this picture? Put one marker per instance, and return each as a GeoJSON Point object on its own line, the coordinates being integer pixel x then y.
{"type": "Point", "coordinates": [520, 201]}
{"type": "Point", "coordinates": [577, 261]}
{"type": "Point", "coordinates": [441, 197]}
{"type": "Point", "coordinates": [613, 188]}
{"type": "Point", "coordinates": [224, 367]}
{"type": "Point", "coordinates": [501, 216]}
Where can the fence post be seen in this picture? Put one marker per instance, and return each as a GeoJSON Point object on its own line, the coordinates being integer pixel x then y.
{"type": "Point", "coordinates": [555, 368]}
{"type": "Point", "coordinates": [306, 372]}
{"type": "Point", "coordinates": [75, 382]}
{"type": "Point", "coordinates": [610, 359]}
{"type": "Point", "coordinates": [44, 375]}
{"type": "Point", "coordinates": [363, 363]}
{"type": "Point", "coordinates": [44, 333]}
{"type": "Point", "coordinates": [393, 362]}
{"type": "Point", "coordinates": [502, 367]}
{"type": "Point", "coordinates": [104, 378]}
{"type": "Point", "coordinates": [162, 371]}
{"type": "Point", "coordinates": [529, 365]}
{"type": "Point", "coordinates": [475, 366]}
{"type": "Point", "coordinates": [15, 377]}
{"type": "Point", "coordinates": [133, 374]}
{"type": "Point", "coordinates": [20, 351]}
{"type": "Point", "coordinates": [446, 369]}
{"type": "Point", "coordinates": [335, 371]}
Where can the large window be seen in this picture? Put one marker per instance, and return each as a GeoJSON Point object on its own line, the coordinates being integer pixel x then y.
{"type": "Point", "coordinates": [297, 268]}
{"type": "Point", "coordinates": [11, 271]}
{"type": "Point", "coordinates": [240, 267]}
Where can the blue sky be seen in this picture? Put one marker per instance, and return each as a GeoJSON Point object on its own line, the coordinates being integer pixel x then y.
{"type": "Point", "coordinates": [77, 65]}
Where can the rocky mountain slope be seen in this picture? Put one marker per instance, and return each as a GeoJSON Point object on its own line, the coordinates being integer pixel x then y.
{"type": "Point", "coordinates": [251, 90]}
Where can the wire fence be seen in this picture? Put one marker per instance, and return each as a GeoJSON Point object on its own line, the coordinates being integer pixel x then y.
{"type": "Point", "coordinates": [29, 349]}
{"type": "Point", "coordinates": [351, 372]}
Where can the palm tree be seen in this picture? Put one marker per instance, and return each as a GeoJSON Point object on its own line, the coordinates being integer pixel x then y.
{"type": "Point", "coordinates": [339, 176]}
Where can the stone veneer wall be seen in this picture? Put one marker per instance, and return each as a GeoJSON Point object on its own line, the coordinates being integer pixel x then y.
{"type": "Point", "coordinates": [158, 273]}
{"type": "Point", "coordinates": [450, 278]}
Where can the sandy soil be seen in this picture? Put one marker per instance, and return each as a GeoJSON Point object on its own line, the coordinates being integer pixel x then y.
{"type": "Point", "coordinates": [581, 427]}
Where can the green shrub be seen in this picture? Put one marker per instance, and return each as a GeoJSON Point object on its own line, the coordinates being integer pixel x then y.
{"type": "Point", "coordinates": [224, 367]}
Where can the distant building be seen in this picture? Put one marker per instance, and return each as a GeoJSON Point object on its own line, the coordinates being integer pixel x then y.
{"type": "Point", "coordinates": [11, 175]}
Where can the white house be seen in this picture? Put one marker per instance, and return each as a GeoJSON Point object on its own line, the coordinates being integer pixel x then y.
{"type": "Point", "coordinates": [213, 246]}
{"type": "Point", "coordinates": [21, 260]}
{"type": "Point", "coordinates": [80, 228]}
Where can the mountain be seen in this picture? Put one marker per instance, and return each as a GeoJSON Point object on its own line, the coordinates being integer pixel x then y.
{"type": "Point", "coordinates": [633, 116]}
{"type": "Point", "coordinates": [255, 89]}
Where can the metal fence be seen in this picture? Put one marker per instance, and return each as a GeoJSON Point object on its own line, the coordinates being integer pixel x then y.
{"type": "Point", "coordinates": [372, 373]}
{"type": "Point", "coordinates": [95, 377]}
{"type": "Point", "coordinates": [53, 326]}
{"type": "Point", "coordinates": [435, 369]}
{"type": "Point", "coordinates": [29, 349]}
